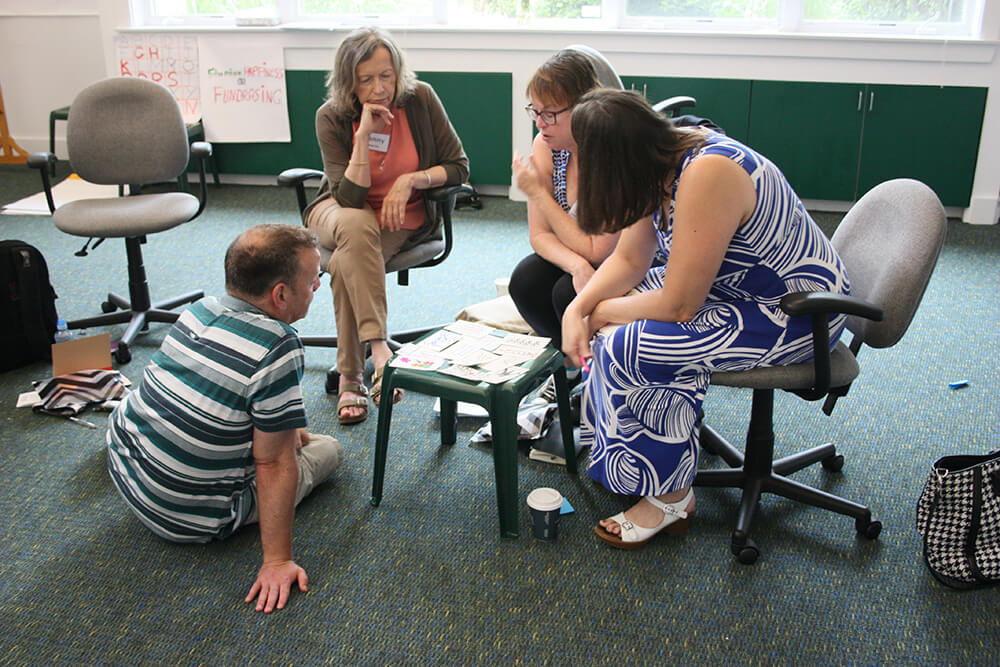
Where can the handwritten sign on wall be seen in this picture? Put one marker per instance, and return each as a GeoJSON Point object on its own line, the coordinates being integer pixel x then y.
{"type": "Point", "coordinates": [164, 58]}
{"type": "Point", "coordinates": [243, 92]}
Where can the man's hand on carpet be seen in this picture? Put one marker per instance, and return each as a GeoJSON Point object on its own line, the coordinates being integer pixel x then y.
{"type": "Point", "coordinates": [274, 584]}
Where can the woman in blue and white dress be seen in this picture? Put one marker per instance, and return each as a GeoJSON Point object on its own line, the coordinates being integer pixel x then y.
{"type": "Point", "coordinates": [735, 238]}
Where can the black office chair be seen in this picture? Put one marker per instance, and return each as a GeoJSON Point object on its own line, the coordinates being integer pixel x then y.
{"type": "Point", "coordinates": [127, 131]}
{"type": "Point", "coordinates": [431, 252]}
{"type": "Point", "coordinates": [889, 242]}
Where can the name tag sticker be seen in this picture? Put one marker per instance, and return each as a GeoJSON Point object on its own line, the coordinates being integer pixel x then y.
{"type": "Point", "coordinates": [378, 142]}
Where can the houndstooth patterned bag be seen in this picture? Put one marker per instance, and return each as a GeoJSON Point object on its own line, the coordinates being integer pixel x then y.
{"type": "Point", "coordinates": [958, 515]}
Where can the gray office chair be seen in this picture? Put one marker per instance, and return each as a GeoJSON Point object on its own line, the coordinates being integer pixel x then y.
{"type": "Point", "coordinates": [609, 78]}
{"type": "Point", "coordinates": [431, 252]}
{"type": "Point", "coordinates": [889, 242]}
{"type": "Point", "coordinates": [127, 131]}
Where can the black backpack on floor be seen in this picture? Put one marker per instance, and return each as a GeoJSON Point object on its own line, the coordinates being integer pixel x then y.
{"type": "Point", "coordinates": [27, 306]}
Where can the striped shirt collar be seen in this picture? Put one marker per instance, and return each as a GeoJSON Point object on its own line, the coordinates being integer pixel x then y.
{"type": "Point", "coordinates": [232, 303]}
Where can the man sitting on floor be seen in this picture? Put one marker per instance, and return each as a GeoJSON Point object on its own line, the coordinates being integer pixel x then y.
{"type": "Point", "coordinates": [214, 436]}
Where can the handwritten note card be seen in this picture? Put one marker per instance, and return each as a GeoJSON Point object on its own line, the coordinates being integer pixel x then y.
{"type": "Point", "coordinates": [243, 93]}
{"type": "Point", "coordinates": [472, 352]}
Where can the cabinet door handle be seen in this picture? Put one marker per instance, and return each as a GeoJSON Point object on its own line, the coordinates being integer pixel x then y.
{"type": "Point", "coordinates": [871, 100]}
{"type": "Point", "coordinates": [861, 97]}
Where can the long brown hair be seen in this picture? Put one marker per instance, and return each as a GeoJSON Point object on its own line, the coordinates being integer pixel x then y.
{"type": "Point", "coordinates": [356, 48]}
{"type": "Point", "coordinates": [625, 151]}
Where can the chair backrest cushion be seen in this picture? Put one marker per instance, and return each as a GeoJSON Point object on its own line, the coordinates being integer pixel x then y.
{"type": "Point", "coordinates": [606, 74]}
{"type": "Point", "coordinates": [126, 130]}
{"type": "Point", "coordinates": [890, 241]}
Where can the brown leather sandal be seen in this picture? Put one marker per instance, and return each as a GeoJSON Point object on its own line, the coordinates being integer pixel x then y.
{"type": "Point", "coordinates": [345, 402]}
{"type": "Point", "coordinates": [377, 387]}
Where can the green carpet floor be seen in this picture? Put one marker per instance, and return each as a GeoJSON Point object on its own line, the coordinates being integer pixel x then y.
{"type": "Point", "coordinates": [425, 577]}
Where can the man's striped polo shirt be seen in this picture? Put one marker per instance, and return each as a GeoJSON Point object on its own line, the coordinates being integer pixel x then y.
{"type": "Point", "coordinates": [180, 445]}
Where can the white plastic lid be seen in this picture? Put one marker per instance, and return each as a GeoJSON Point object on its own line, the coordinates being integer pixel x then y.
{"type": "Point", "coordinates": [545, 499]}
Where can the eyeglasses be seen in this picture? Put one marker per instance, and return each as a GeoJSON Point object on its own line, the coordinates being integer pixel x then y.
{"type": "Point", "coordinates": [548, 117]}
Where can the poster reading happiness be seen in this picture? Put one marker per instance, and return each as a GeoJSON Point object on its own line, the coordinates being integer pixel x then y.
{"type": "Point", "coordinates": [243, 95]}
{"type": "Point", "coordinates": [164, 58]}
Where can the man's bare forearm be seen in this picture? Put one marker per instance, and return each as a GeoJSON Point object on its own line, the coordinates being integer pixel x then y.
{"type": "Point", "coordinates": [276, 483]}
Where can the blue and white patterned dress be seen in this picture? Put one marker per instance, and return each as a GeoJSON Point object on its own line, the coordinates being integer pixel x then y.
{"type": "Point", "coordinates": [560, 161]}
{"type": "Point", "coordinates": [648, 378]}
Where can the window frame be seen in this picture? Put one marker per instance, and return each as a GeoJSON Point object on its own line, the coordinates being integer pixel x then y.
{"type": "Point", "coordinates": [789, 20]}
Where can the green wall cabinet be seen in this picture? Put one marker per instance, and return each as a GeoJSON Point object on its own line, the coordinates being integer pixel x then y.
{"type": "Point", "coordinates": [478, 104]}
{"type": "Point", "coordinates": [724, 101]}
{"type": "Point", "coordinates": [832, 140]}
{"type": "Point", "coordinates": [836, 141]}
{"type": "Point", "coordinates": [806, 130]}
{"type": "Point", "coordinates": [930, 133]}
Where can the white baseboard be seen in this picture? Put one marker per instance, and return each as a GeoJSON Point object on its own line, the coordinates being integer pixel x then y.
{"type": "Point", "coordinates": [982, 211]}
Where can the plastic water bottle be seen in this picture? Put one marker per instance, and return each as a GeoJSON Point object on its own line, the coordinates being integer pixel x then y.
{"type": "Point", "coordinates": [63, 333]}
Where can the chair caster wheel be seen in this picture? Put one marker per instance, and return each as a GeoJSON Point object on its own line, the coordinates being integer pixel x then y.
{"type": "Point", "coordinates": [332, 381]}
{"type": "Point", "coordinates": [122, 354]}
{"type": "Point", "coordinates": [108, 307]}
{"type": "Point", "coordinates": [745, 550]}
{"type": "Point", "coordinates": [867, 528]}
{"type": "Point", "coordinates": [833, 463]}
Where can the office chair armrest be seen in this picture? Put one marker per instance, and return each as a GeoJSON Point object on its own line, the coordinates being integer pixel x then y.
{"type": "Point", "coordinates": [42, 161]}
{"type": "Point", "coordinates": [444, 197]}
{"type": "Point", "coordinates": [819, 306]}
{"type": "Point", "coordinates": [291, 178]}
{"type": "Point", "coordinates": [201, 150]}
{"type": "Point", "coordinates": [445, 193]}
{"type": "Point", "coordinates": [827, 303]}
{"type": "Point", "coordinates": [296, 177]}
{"type": "Point", "coordinates": [672, 105]}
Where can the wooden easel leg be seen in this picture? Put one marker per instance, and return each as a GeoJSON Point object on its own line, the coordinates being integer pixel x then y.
{"type": "Point", "coordinates": [10, 152]}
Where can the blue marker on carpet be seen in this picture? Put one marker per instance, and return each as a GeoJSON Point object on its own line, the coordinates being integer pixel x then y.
{"type": "Point", "coordinates": [958, 384]}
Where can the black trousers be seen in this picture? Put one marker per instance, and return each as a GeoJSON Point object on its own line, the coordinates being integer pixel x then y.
{"type": "Point", "coordinates": [542, 291]}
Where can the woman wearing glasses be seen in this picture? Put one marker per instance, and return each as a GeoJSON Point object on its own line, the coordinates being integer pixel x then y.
{"type": "Point", "coordinates": [544, 283]}
{"type": "Point", "coordinates": [736, 239]}
{"type": "Point", "coordinates": [384, 137]}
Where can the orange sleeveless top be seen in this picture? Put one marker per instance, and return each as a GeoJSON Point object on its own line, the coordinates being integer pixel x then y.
{"type": "Point", "coordinates": [385, 168]}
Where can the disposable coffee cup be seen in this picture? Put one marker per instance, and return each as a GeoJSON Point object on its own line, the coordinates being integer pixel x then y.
{"type": "Point", "coordinates": [501, 285]}
{"type": "Point", "coordinates": [545, 504]}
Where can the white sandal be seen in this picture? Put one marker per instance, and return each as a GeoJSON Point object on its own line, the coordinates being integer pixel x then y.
{"type": "Point", "coordinates": [675, 521]}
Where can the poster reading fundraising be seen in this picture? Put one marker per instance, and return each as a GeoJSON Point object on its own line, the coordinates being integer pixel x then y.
{"type": "Point", "coordinates": [164, 58]}
{"type": "Point", "coordinates": [242, 91]}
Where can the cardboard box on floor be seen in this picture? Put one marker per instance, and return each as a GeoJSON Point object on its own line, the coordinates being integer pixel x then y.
{"type": "Point", "coordinates": [81, 354]}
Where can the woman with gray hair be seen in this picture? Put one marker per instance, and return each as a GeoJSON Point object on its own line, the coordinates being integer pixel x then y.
{"type": "Point", "coordinates": [384, 137]}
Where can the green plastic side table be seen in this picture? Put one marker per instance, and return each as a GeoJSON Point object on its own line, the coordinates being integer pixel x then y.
{"type": "Point", "coordinates": [500, 401]}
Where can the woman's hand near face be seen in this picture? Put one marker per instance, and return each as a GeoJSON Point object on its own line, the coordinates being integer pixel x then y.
{"type": "Point", "coordinates": [526, 175]}
{"type": "Point", "coordinates": [375, 118]}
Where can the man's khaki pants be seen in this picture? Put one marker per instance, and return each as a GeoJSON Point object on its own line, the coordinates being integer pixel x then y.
{"type": "Point", "coordinates": [317, 459]}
